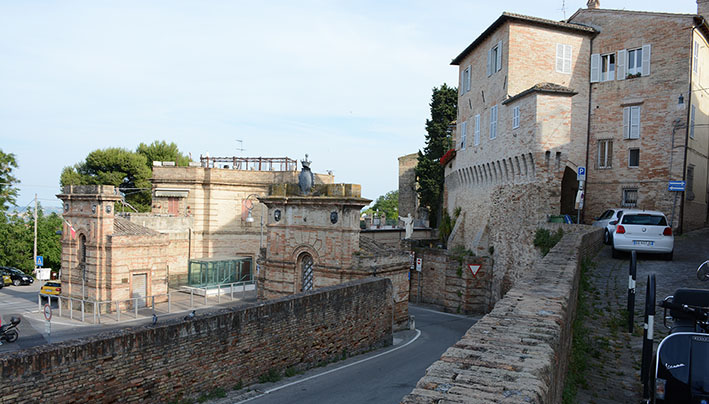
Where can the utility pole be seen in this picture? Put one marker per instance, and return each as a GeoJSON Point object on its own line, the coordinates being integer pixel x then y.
{"type": "Point", "coordinates": [35, 232]}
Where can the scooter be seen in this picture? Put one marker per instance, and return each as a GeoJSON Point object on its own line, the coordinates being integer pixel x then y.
{"type": "Point", "coordinates": [682, 361]}
{"type": "Point", "coordinates": [8, 332]}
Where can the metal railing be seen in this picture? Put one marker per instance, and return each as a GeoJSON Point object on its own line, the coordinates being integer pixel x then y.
{"type": "Point", "coordinates": [250, 163]}
{"type": "Point", "coordinates": [172, 302]}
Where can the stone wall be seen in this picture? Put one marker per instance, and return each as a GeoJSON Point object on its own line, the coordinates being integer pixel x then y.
{"type": "Point", "coordinates": [447, 282]}
{"type": "Point", "coordinates": [394, 237]}
{"type": "Point", "coordinates": [519, 352]}
{"type": "Point", "coordinates": [408, 198]}
{"type": "Point", "coordinates": [182, 359]}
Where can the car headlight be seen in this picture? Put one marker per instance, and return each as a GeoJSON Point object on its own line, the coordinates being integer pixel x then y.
{"type": "Point", "coordinates": [24, 278]}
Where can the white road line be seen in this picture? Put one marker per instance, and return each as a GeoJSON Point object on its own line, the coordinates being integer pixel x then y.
{"type": "Point", "coordinates": [447, 314]}
{"type": "Point", "coordinates": [418, 334]}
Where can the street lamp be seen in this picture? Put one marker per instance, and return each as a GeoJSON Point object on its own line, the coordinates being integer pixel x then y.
{"type": "Point", "coordinates": [250, 217]}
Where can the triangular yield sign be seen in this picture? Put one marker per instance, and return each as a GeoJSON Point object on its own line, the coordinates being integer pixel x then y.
{"type": "Point", "coordinates": [474, 269]}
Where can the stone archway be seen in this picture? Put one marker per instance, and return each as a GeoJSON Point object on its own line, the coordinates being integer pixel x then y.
{"type": "Point", "coordinates": [569, 187]}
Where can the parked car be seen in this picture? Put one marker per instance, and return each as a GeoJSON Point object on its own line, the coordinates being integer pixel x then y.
{"type": "Point", "coordinates": [609, 219]}
{"type": "Point", "coordinates": [644, 231]}
{"type": "Point", "coordinates": [51, 288]}
{"type": "Point", "coordinates": [18, 277]}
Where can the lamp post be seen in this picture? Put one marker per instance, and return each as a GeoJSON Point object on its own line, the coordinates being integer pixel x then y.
{"type": "Point", "coordinates": [250, 217]}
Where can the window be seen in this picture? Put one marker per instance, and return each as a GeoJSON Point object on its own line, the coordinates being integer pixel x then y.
{"type": "Point", "coordinates": [305, 262]}
{"type": "Point", "coordinates": [630, 197]}
{"type": "Point", "coordinates": [605, 153]}
{"type": "Point", "coordinates": [634, 158]}
{"type": "Point", "coordinates": [691, 121]}
{"type": "Point", "coordinates": [563, 58]}
{"type": "Point", "coordinates": [493, 122]}
{"type": "Point", "coordinates": [465, 81]}
{"type": "Point", "coordinates": [631, 122]}
{"type": "Point", "coordinates": [476, 134]}
{"type": "Point", "coordinates": [689, 190]}
{"type": "Point", "coordinates": [463, 134]}
{"type": "Point", "coordinates": [695, 66]}
{"type": "Point", "coordinates": [635, 61]}
{"type": "Point", "coordinates": [494, 59]}
{"type": "Point", "coordinates": [515, 117]}
{"type": "Point", "coordinates": [608, 67]}
{"type": "Point", "coordinates": [82, 249]}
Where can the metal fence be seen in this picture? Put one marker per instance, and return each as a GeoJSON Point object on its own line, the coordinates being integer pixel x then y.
{"type": "Point", "coordinates": [184, 299]}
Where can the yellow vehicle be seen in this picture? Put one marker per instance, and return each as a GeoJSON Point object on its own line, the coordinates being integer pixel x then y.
{"type": "Point", "coordinates": [6, 280]}
{"type": "Point", "coordinates": [51, 288]}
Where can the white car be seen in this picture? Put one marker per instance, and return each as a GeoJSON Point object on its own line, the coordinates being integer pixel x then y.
{"type": "Point", "coordinates": [644, 231]}
{"type": "Point", "coordinates": [609, 219]}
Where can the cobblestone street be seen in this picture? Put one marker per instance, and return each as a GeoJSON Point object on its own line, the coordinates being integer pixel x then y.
{"type": "Point", "coordinates": [613, 375]}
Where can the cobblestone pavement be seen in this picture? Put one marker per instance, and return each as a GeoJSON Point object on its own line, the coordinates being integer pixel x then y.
{"type": "Point", "coordinates": [613, 375]}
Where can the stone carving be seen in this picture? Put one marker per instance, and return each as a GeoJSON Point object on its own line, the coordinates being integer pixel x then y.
{"type": "Point", "coordinates": [277, 215]}
{"type": "Point", "coordinates": [333, 217]}
{"type": "Point", "coordinates": [306, 178]}
{"type": "Point", "coordinates": [408, 225]}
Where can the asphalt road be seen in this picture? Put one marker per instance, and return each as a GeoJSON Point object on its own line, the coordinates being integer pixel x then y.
{"type": "Point", "coordinates": [383, 376]}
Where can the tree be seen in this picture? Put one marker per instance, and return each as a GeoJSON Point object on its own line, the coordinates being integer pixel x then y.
{"type": "Point", "coordinates": [8, 192]}
{"type": "Point", "coordinates": [121, 168]}
{"type": "Point", "coordinates": [160, 150]}
{"type": "Point", "coordinates": [429, 172]}
{"type": "Point", "coordinates": [17, 240]}
{"type": "Point", "coordinates": [388, 204]}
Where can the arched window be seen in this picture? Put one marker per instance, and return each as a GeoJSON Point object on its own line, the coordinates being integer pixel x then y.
{"type": "Point", "coordinates": [305, 264]}
{"type": "Point", "coordinates": [82, 249]}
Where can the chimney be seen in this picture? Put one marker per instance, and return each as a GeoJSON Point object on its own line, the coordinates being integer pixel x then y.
{"type": "Point", "coordinates": [593, 4]}
{"type": "Point", "coordinates": [703, 7]}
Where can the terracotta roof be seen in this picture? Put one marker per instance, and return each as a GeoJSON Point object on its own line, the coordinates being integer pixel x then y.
{"type": "Point", "coordinates": [549, 88]}
{"type": "Point", "coordinates": [124, 227]}
{"type": "Point", "coordinates": [521, 18]}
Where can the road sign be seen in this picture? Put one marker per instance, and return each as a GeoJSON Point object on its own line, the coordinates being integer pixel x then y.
{"type": "Point", "coordinates": [48, 312]}
{"type": "Point", "coordinates": [40, 261]}
{"type": "Point", "coordinates": [412, 255]}
{"type": "Point", "coordinates": [676, 186]}
{"type": "Point", "coordinates": [419, 264]}
{"type": "Point", "coordinates": [581, 174]}
{"type": "Point", "coordinates": [474, 269]}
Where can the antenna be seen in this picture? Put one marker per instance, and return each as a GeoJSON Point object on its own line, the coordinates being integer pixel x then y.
{"type": "Point", "coordinates": [241, 145]}
{"type": "Point", "coordinates": [563, 8]}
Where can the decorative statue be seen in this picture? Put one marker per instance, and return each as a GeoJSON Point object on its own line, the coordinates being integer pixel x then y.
{"type": "Point", "coordinates": [306, 178]}
{"type": "Point", "coordinates": [408, 225]}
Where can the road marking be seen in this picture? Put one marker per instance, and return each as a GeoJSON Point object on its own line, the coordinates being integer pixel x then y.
{"type": "Point", "coordinates": [418, 334]}
{"type": "Point", "coordinates": [447, 314]}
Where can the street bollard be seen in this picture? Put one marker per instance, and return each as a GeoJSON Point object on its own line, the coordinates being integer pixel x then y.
{"type": "Point", "coordinates": [632, 274]}
{"type": "Point", "coordinates": [118, 310]}
{"type": "Point", "coordinates": [191, 298]}
{"type": "Point", "coordinates": [135, 306]}
{"type": "Point", "coordinates": [169, 302]}
{"type": "Point", "coordinates": [648, 336]}
{"type": "Point", "coordinates": [71, 308]}
{"type": "Point", "coordinates": [205, 296]}
{"type": "Point", "coordinates": [98, 311]}
{"type": "Point", "coordinates": [59, 300]}
{"type": "Point", "coordinates": [219, 293]}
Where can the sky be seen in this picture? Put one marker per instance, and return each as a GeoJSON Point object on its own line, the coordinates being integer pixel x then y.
{"type": "Point", "coordinates": [347, 82]}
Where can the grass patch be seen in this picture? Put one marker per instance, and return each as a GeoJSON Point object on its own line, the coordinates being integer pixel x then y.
{"type": "Point", "coordinates": [546, 240]}
{"type": "Point", "coordinates": [271, 376]}
{"type": "Point", "coordinates": [581, 345]}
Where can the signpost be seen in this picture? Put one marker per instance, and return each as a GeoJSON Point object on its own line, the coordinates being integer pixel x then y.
{"type": "Point", "coordinates": [40, 261]}
{"type": "Point", "coordinates": [581, 177]}
{"type": "Point", "coordinates": [676, 187]}
{"type": "Point", "coordinates": [419, 264]}
{"type": "Point", "coordinates": [48, 325]}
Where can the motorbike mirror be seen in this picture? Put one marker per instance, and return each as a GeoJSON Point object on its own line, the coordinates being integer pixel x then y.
{"type": "Point", "coordinates": [703, 271]}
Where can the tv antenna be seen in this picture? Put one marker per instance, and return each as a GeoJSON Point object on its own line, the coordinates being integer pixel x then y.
{"type": "Point", "coordinates": [241, 145]}
{"type": "Point", "coordinates": [563, 8]}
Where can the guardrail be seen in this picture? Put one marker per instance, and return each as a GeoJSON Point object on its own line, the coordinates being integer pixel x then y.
{"type": "Point", "coordinates": [168, 302]}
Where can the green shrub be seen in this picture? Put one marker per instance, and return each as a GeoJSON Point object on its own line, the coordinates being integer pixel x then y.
{"type": "Point", "coordinates": [546, 240]}
{"type": "Point", "coordinates": [271, 376]}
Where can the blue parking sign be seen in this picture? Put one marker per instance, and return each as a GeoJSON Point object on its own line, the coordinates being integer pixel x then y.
{"type": "Point", "coordinates": [581, 174]}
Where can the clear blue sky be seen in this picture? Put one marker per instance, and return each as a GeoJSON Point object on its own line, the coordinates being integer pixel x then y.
{"type": "Point", "coordinates": [347, 82]}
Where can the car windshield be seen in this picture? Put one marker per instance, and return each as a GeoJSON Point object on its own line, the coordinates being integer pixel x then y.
{"type": "Point", "coordinates": [51, 284]}
{"type": "Point", "coordinates": [645, 219]}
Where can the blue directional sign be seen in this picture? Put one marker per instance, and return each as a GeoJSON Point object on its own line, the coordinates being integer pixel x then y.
{"type": "Point", "coordinates": [581, 174]}
{"type": "Point", "coordinates": [677, 186]}
{"type": "Point", "coordinates": [40, 261]}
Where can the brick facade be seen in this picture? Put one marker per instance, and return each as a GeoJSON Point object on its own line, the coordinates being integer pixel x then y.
{"type": "Point", "coordinates": [178, 360]}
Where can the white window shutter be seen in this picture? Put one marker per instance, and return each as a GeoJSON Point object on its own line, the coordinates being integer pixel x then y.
{"type": "Point", "coordinates": [626, 122]}
{"type": "Point", "coordinates": [635, 122]}
{"type": "Point", "coordinates": [461, 88]}
{"type": "Point", "coordinates": [489, 62]}
{"type": "Point", "coordinates": [559, 57]}
{"type": "Point", "coordinates": [646, 60]}
{"type": "Point", "coordinates": [467, 79]}
{"type": "Point", "coordinates": [567, 59]}
{"type": "Point", "coordinates": [620, 64]}
{"type": "Point", "coordinates": [463, 134]}
{"type": "Point", "coordinates": [476, 136]}
{"type": "Point", "coordinates": [499, 56]}
{"type": "Point", "coordinates": [595, 68]}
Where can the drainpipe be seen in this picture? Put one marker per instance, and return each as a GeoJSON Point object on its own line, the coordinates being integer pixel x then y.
{"type": "Point", "coordinates": [588, 135]}
{"type": "Point", "coordinates": [686, 134]}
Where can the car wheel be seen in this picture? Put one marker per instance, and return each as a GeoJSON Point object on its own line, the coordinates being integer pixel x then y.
{"type": "Point", "coordinates": [607, 238]}
{"type": "Point", "coordinates": [615, 253]}
{"type": "Point", "coordinates": [16, 282]}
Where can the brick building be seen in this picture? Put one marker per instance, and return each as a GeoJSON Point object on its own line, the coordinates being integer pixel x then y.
{"type": "Point", "coordinates": [618, 92]}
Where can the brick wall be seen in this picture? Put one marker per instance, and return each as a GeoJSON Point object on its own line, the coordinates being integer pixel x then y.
{"type": "Point", "coordinates": [446, 281]}
{"type": "Point", "coordinates": [186, 358]}
{"type": "Point", "coordinates": [408, 199]}
{"type": "Point", "coordinates": [519, 352]}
